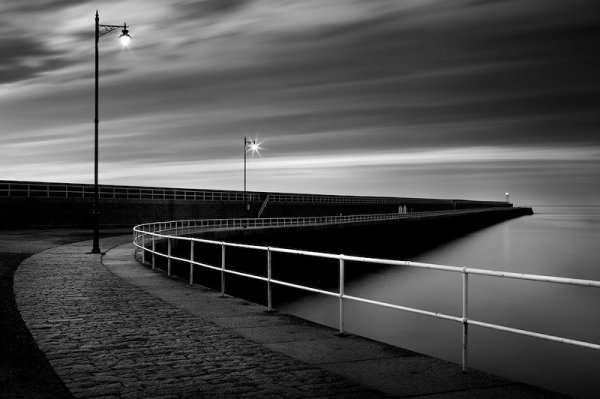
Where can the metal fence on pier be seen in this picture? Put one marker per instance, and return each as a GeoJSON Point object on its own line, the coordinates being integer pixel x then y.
{"type": "Point", "coordinates": [147, 236]}
{"type": "Point", "coordinates": [17, 189]}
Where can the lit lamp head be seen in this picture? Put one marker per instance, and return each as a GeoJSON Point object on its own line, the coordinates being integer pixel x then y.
{"type": "Point", "coordinates": [254, 146]}
{"type": "Point", "coordinates": [125, 38]}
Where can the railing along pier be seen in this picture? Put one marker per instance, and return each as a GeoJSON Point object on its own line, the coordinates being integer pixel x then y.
{"type": "Point", "coordinates": [24, 189]}
{"type": "Point", "coordinates": [176, 230]}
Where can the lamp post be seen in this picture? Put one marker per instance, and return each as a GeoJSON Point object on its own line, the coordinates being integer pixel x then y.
{"type": "Point", "coordinates": [101, 30]}
{"type": "Point", "coordinates": [507, 197]}
{"type": "Point", "coordinates": [254, 147]}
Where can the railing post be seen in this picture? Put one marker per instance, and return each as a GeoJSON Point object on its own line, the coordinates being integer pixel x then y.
{"type": "Point", "coordinates": [341, 294]}
{"type": "Point", "coordinates": [222, 270]}
{"type": "Point", "coordinates": [153, 254]}
{"type": "Point", "coordinates": [169, 257]}
{"type": "Point", "coordinates": [465, 318]}
{"type": "Point", "coordinates": [143, 248]}
{"type": "Point", "coordinates": [191, 264]}
{"type": "Point", "coordinates": [269, 274]}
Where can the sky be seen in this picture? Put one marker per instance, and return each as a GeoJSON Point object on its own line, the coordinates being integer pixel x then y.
{"type": "Point", "coordinates": [417, 98]}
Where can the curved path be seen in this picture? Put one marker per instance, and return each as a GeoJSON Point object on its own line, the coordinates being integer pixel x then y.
{"type": "Point", "coordinates": [120, 330]}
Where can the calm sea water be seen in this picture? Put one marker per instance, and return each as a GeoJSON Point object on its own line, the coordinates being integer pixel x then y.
{"type": "Point", "coordinates": [557, 241]}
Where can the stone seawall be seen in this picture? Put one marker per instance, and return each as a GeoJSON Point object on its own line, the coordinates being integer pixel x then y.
{"type": "Point", "coordinates": [22, 212]}
{"type": "Point", "coordinates": [403, 237]}
{"type": "Point", "coordinates": [68, 212]}
{"type": "Point", "coordinates": [397, 239]}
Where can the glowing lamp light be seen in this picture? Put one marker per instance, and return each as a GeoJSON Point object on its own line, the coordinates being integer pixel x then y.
{"type": "Point", "coordinates": [125, 38]}
{"type": "Point", "coordinates": [254, 146]}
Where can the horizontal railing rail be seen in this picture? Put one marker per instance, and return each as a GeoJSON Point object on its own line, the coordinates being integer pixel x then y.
{"type": "Point", "coordinates": [180, 227]}
{"type": "Point", "coordinates": [9, 188]}
{"type": "Point", "coordinates": [332, 199]}
{"type": "Point", "coordinates": [57, 190]}
{"type": "Point", "coordinates": [146, 236]}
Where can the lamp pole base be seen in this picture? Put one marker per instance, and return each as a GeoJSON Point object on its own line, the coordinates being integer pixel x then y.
{"type": "Point", "coordinates": [96, 233]}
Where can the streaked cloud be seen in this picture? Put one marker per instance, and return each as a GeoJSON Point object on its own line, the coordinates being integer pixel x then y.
{"type": "Point", "coordinates": [332, 87]}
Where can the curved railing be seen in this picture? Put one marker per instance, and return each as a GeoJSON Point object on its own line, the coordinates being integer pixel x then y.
{"type": "Point", "coordinates": [146, 237]}
{"type": "Point", "coordinates": [179, 227]}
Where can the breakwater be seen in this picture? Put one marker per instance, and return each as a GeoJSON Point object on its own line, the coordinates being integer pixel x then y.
{"type": "Point", "coordinates": [39, 204]}
{"type": "Point", "coordinates": [427, 294]}
{"type": "Point", "coordinates": [400, 238]}
{"type": "Point", "coordinates": [393, 239]}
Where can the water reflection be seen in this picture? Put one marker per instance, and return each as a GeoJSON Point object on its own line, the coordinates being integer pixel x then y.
{"type": "Point", "coordinates": [555, 241]}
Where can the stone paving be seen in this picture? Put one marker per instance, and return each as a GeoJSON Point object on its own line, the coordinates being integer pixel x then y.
{"type": "Point", "coordinates": [120, 330]}
{"type": "Point", "coordinates": [105, 338]}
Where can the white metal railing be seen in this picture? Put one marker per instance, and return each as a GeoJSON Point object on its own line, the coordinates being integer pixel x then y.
{"type": "Point", "coordinates": [58, 190]}
{"type": "Point", "coordinates": [146, 236]}
{"type": "Point", "coordinates": [9, 188]}
{"type": "Point", "coordinates": [341, 199]}
{"type": "Point", "coordinates": [180, 227]}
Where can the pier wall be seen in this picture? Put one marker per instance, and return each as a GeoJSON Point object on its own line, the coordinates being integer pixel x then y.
{"type": "Point", "coordinates": [36, 204]}
{"type": "Point", "coordinates": [69, 212]}
{"type": "Point", "coordinates": [393, 238]}
{"type": "Point", "coordinates": [400, 239]}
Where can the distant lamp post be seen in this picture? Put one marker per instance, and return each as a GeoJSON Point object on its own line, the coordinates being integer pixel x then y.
{"type": "Point", "coordinates": [253, 146]}
{"type": "Point", "coordinates": [507, 197]}
{"type": "Point", "coordinates": [101, 30]}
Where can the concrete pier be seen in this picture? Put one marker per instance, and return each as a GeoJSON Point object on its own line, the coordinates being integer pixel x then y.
{"type": "Point", "coordinates": [111, 327]}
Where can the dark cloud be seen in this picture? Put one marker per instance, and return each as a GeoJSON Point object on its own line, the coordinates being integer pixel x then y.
{"type": "Point", "coordinates": [24, 58]}
{"type": "Point", "coordinates": [39, 5]}
{"type": "Point", "coordinates": [210, 8]}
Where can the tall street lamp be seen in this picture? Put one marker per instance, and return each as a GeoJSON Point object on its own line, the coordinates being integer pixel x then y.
{"type": "Point", "coordinates": [101, 30]}
{"type": "Point", "coordinates": [254, 147]}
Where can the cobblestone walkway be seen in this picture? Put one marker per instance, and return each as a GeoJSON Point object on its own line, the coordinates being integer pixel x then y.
{"type": "Point", "coordinates": [106, 338]}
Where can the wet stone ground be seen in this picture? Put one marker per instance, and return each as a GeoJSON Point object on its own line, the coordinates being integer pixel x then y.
{"type": "Point", "coordinates": [106, 338]}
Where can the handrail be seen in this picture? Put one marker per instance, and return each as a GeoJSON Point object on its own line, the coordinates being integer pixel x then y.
{"type": "Point", "coordinates": [148, 234]}
{"type": "Point", "coordinates": [21, 189]}
{"type": "Point", "coordinates": [193, 226]}
{"type": "Point", "coordinates": [64, 190]}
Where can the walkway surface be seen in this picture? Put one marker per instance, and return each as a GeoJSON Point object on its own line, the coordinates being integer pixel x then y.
{"type": "Point", "coordinates": [111, 327]}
